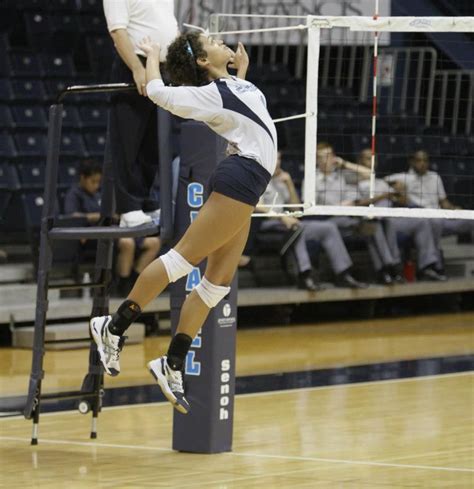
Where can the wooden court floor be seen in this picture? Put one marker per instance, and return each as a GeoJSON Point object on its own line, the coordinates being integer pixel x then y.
{"type": "Point", "coordinates": [406, 433]}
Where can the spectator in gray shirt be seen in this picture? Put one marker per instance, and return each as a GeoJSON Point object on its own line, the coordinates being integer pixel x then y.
{"type": "Point", "coordinates": [281, 191]}
{"type": "Point", "coordinates": [419, 230]}
{"type": "Point", "coordinates": [332, 189]}
{"type": "Point", "coordinates": [424, 188]}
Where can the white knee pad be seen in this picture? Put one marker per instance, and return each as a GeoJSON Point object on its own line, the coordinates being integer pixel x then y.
{"type": "Point", "coordinates": [211, 294]}
{"type": "Point", "coordinates": [176, 266]}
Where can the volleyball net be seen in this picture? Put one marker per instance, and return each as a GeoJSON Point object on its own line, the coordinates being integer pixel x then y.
{"type": "Point", "coordinates": [392, 95]}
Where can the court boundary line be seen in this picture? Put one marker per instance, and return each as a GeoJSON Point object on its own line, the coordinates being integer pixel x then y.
{"type": "Point", "coordinates": [364, 383]}
{"type": "Point", "coordinates": [250, 454]}
{"type": "Point", "coordinates": [429, 454]}
{"type": "Point", "coordinates": [266, 393]}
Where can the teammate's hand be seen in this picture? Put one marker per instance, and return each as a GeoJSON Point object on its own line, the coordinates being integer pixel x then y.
{"type": "Point", "coordinates": [149, 47]}
{"type": "Point", "coordinates": [139, 77]}
{"type": "Point", "coordinates": [240, 58]}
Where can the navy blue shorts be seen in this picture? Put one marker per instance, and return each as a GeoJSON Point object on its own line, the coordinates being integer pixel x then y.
{"type": "Point", "coordinates": [240, 178]}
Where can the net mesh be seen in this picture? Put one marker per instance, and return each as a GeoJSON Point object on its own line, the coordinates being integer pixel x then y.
{"type": "Point", "coordinates": [424, 110]}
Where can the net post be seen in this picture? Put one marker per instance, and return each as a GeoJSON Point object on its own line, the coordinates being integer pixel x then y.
{"type": "Point", "coordinates": [311, 130]}
{"type": "Point", "coordinates": [214, 23]}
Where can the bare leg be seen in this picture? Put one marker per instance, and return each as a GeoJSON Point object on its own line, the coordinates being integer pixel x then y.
{"type": "Point", "coordinates": [125, 257]}
{"type": "Point", "coordinates": [221, 267]}
{"type": "Point", "coordinates": [217, 222]}
{"type": "Point", "coordinates": [151, 247]}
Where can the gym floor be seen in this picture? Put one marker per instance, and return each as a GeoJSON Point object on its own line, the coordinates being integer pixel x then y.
{"type": "Point", "coordinates": [382, 403]}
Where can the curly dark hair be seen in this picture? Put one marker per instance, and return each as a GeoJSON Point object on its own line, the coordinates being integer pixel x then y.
{"type": "Point", "coordinates": [89, 167]}
{"type": "Point", "coordinates": [181, 60]}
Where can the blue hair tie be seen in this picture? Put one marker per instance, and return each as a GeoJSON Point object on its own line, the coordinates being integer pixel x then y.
{"type": "Point", "coordinates": [190, 49]}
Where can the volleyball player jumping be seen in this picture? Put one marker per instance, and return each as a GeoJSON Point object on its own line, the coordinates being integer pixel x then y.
{"type": "Point", "coordinates": [236, 110]}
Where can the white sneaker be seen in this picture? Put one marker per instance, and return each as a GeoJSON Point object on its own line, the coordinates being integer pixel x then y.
{"type": "Point", "coordinates": [170, 382]}
{"type": "Point", "coordinates": [134, 218]}
{"type": "Point", "coordinates": [109, 345]}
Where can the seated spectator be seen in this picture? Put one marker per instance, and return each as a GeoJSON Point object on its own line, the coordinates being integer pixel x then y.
{"type": "Point", "coordinates": [332, 188]}
{"type": "Point", "coordinates": [419, 230]}
{"type": "Point", "coordinates": [83, 200]}
{"type": "Point", "coordinates": [424, 188]}
{"type": "Point", "coordinates": [281, 191]}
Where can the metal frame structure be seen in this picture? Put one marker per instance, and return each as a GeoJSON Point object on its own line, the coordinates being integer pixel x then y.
{"type": "Point", "coordinates": [91, 392]}
{"type": "Point", "coordinates": [449, 83]}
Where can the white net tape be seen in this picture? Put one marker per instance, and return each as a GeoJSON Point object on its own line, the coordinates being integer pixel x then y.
{"type": "Point", "coordinates": [311, 29]}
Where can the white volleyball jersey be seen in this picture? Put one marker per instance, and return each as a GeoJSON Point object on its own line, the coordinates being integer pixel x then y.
{"type": "Point", "coordinates": [142, 18]}
{"type": "Point", "coordinates": [233, 108]}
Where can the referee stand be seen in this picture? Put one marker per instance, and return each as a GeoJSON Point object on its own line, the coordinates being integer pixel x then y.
{"type": "Point", "coordinates": [90, 395]}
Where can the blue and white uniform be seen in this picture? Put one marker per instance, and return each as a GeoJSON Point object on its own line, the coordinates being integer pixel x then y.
{"type": "Point", "coordinates": [236, 110]}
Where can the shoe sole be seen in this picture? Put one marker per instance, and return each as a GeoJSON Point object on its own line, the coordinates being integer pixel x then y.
{"type": "Point", "coordinates": [165, 389]}
{"type": "Point", "coordinates": [100, 348]}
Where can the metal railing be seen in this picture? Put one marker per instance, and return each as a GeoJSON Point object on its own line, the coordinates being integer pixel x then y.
{"type": "Point", "coordinates": [451, 102]}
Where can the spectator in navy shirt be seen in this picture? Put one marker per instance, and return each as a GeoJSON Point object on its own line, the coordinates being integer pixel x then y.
{"type": "Point", "coordinates": [83, 200]}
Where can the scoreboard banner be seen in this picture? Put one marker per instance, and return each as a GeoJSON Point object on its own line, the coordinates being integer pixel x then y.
{"type": "Point", "coordinates": [198, 13]}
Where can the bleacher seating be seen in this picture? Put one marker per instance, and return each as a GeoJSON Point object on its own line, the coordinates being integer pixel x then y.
{"type": "Point", "coordinates": [68, 174]}
{"type": "Point", "coordinates": [7, 147]}
{"type": "Point", "coordinates": [71, 118]}
{"type": "Point", "coordinates": [72, 144]}
{"type": "Point", "coordinates": [31, 176]}
{"type": "Point", "coordinates": [95, 143]}
{"type": "Point", "coordinates": [39, 26]}
{"type": "Point", "coordinates": [28, 91]}
{"type": "Point", "coordinates": [47, 46]}
{"type": "Point", "coordinates": [29, 117]}
{"type": "Point", "coordinates": [6, 92]}
{"type": "Point", "coordinates": [24, 64]}
{"type": "Point", "coordinates": [62, 5]}
{"type": "Point", "coordinates": [93, 116]}
{"type": "Point", "coordinates": [31, 144]}
{"type": "Point", "coordinates": [58, 65]}
{"type": "Point", "coordinates": [6, 120]}
{"type": "Point", "coordinates": [9, 184]}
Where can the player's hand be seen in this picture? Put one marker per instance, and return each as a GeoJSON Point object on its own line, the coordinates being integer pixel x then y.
{"type": "Point", "coordinates": [149, 47]}
{"type": "Point", "coordinates": [290, 222]}
{"type": "Point", "coordinates": [139, 77]}
{"type": "Point", "coordinates": [399, 187]}
{"type": "Point", "coordinates": [240, 58]}
{"type": "Point", "coordinates": [338, 162]}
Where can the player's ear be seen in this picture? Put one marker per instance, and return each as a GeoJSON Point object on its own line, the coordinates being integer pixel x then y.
{"type": "Point", "coordinates": [203, 62]}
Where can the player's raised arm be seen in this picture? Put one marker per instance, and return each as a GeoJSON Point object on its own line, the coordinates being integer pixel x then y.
{"type": "Point", "coordinates": [152, 52]}
{"type": "Point", "coordinates": [240, 61]}
{"type": "Point", "coordinates": [193, 102]}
